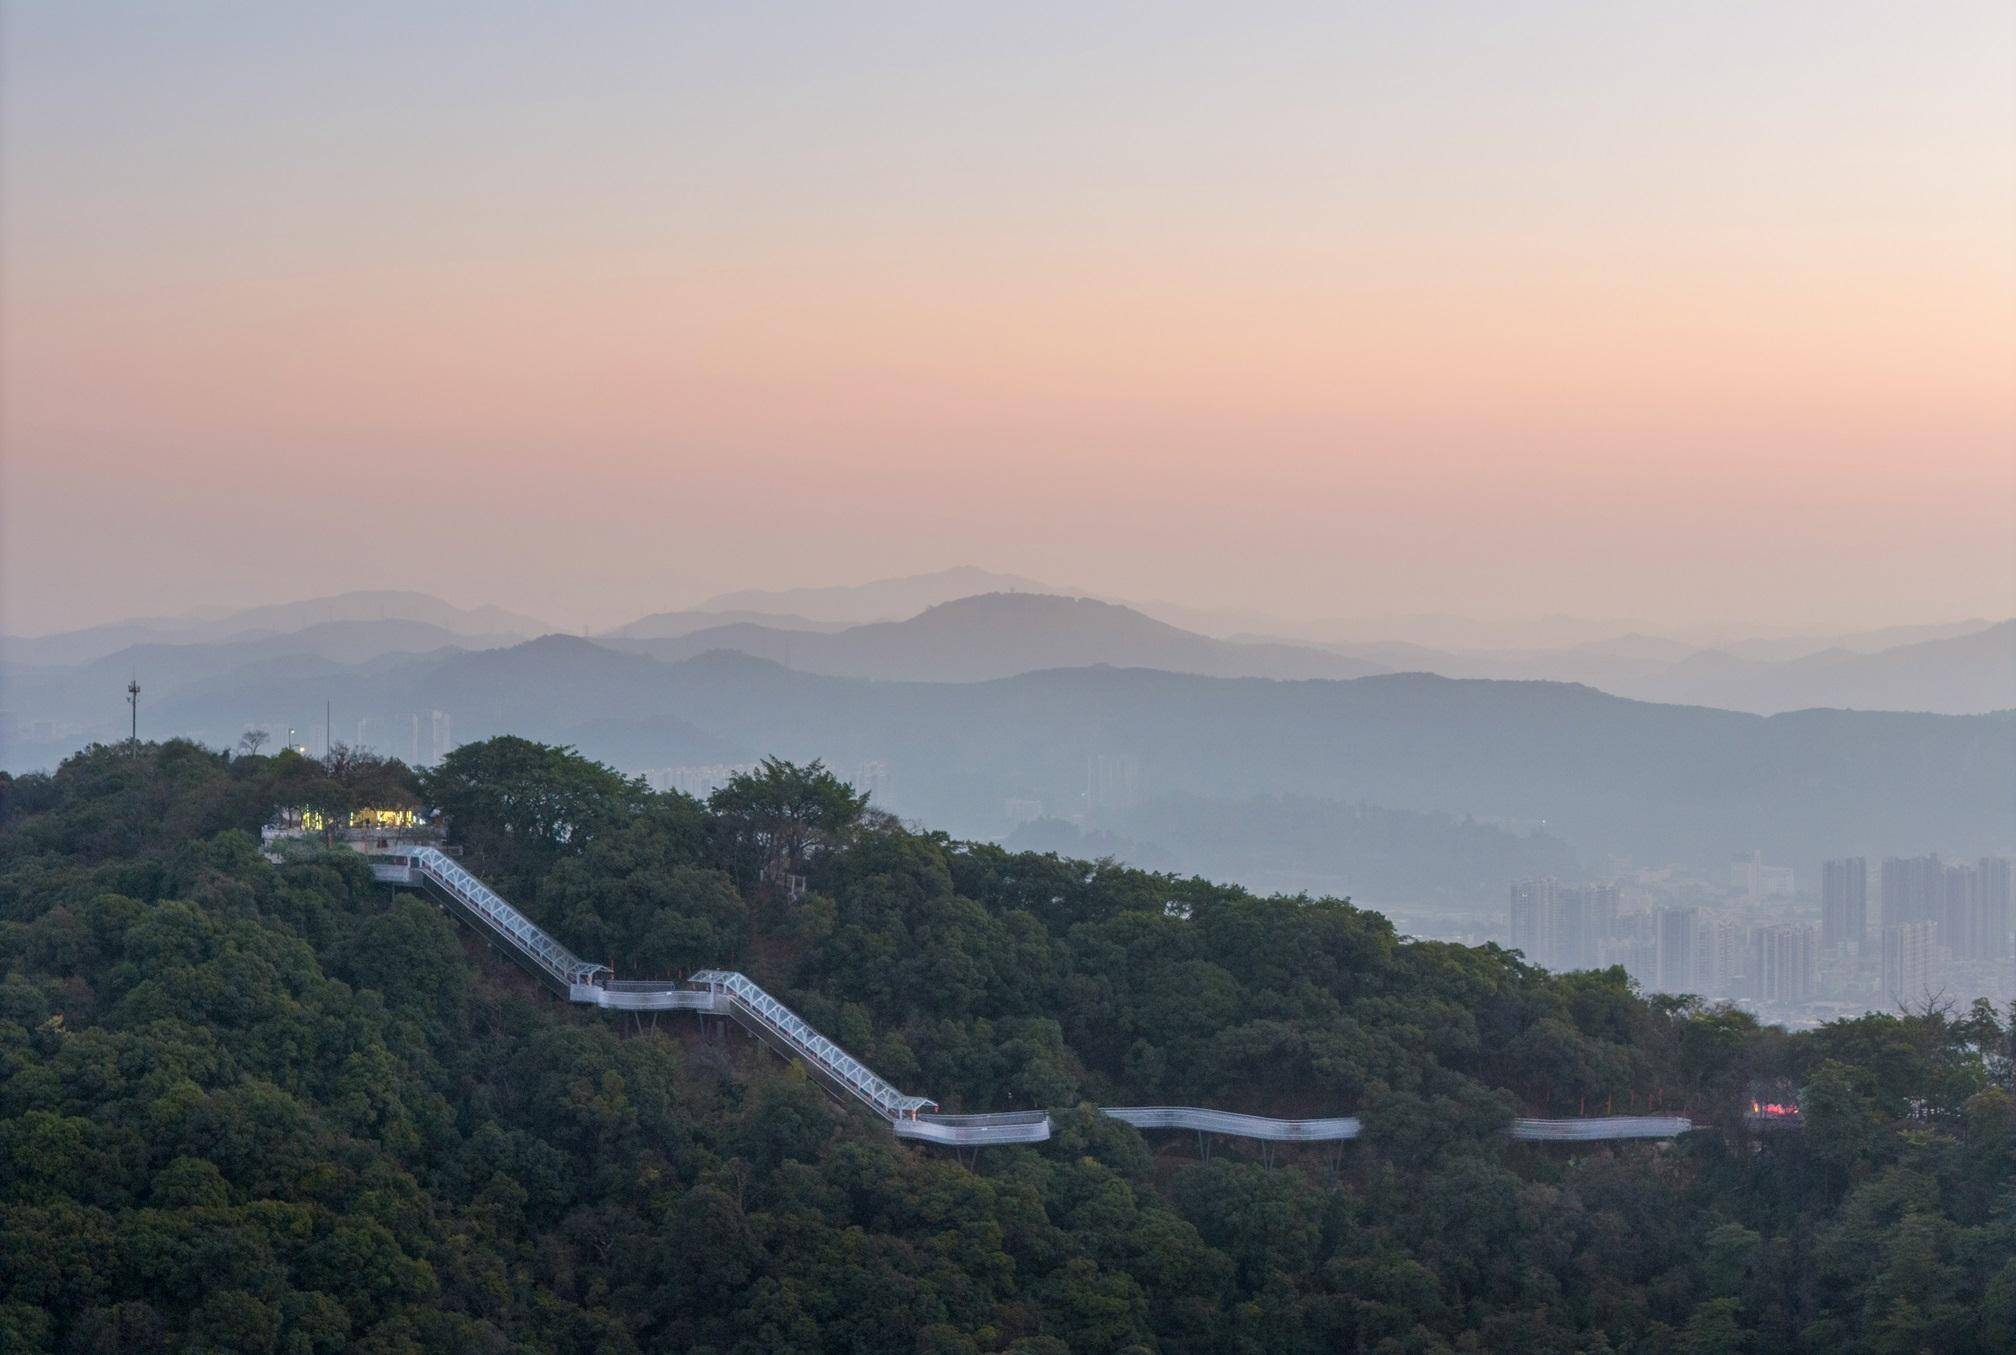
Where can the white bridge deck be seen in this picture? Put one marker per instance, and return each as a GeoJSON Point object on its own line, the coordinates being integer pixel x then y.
{"type": "Point", "coordinates": [726, 993]}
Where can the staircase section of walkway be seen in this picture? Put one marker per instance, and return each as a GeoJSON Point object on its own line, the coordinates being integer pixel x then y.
{"type": "Point", "coordinates": [553, 961]}
{"type": "Point", "coordinates": [767, 1016]}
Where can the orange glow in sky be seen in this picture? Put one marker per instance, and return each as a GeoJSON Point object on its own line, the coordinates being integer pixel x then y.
{"type": "Point", "coordinates": [1685, 314]}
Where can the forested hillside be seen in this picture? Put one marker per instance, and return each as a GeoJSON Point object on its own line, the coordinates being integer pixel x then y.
{"type": "Point", "coordinates": [248, 1106]}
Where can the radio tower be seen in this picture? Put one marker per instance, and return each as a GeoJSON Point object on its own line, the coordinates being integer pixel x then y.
{"type": "Point", "coordinates": [133, 700]}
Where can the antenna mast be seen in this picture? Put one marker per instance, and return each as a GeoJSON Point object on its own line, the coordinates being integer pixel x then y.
{"type": "Point", "coordinates": [133, 700]}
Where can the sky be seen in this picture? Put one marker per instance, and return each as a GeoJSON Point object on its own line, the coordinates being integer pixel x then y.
{"type": "Point", "coordinates": [1697, 314]}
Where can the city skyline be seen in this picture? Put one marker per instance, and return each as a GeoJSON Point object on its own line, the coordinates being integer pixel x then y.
{"type": "Point", "coordinates": [1930, 932]}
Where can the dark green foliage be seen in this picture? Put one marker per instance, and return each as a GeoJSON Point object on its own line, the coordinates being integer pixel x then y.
{"type": "Point", "coordinates": [274, 1108]}
{"type": "Point", "coordinates": [774, 815]}
{"type": "Point", "coordinates": [522, 804]}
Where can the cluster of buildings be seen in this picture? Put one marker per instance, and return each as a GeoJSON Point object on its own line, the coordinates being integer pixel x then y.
{"type": "Point", "coordinates": [1675, 949]}
{"type": "Point", "coordinates": [1917, 928]}
{"type": "Point", "coordinates": [1112, 783]}
{"type": "Point", "coordinates": [1932, 926]}
{"type": "Point", "coordinates": [1564, 926]}
{"type": "Point", "coordinates": [417, 739]}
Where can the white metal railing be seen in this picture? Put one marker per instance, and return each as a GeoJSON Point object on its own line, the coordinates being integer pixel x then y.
{"type": "Point", "coordinates": [642, 999]}
{"type": "Point", "coordinates": [567, 968]}
{"type": "Point", "coordinates": [976, 1131]}
{"type": "Point", "coordinates": [1600, 1127]}
{"type": "Point", "coordinates": [815, 1048]}
{"type": "Point", "coordinates": [1232, 1122]}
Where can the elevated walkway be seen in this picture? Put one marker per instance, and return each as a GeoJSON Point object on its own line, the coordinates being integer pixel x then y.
{"type": "Point", "coordinates": [643, 997]}
{"type": "Point", "coordinates": [438, 873]}
{"type": "Point", "coordinates": [776, 1024]}
{"type": "Point", "coordinates": [976, 1131]}
{"type": "Point", "coordinates": [1238, 1125]}
{"type": "Point", "coordinates": [1596, 1128]}
{"type": "Point", "coordinates": [725, 993]}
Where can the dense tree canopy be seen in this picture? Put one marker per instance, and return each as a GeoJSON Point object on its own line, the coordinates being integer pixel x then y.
{"type": "Point", "coordinates": [780, 811]}
{"type": "Point", "coordinates": [521, 804]}
{"type": "Point", "coordinates": [273, 1107]}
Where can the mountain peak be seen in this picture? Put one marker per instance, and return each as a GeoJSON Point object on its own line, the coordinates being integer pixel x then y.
{"type": "Point", "coordinates": [1009, 602]}
{"type": "Point", "coordinates": [999, 633]}
{"type": "Point", "coordinates": [879, 599]}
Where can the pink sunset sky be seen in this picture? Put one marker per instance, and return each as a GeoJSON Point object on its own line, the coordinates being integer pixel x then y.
{"type": "Point", "coordinates": [1694, 313]}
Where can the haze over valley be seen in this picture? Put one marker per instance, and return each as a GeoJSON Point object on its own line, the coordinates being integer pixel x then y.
{"type": "Point", "coordinates": [1390, 771]}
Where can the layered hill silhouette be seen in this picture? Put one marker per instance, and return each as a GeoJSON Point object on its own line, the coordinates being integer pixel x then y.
{"type": "Point", "coordinates": [672, 625]}
{"type": "Point", "coordinates": [1015, 626]}
{"type": "Point", "coordinates": [1607, 775]}
{"type": "Point", "coordinates": [287, 618]}
{"type": "Point", "coordinates": [1001, 634]}
{"type": "Point", "coordinates": [323, 652]}
{"type": "Point", "coordinates": [1073, 707]}
{"type": "Point", "coordinates": [1970, 672]}
{"type": "Point", "coordinates": [878, 600]}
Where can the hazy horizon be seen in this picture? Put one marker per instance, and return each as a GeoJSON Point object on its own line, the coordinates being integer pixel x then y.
{"type": "Point", "coordinates": [1617, 626]}
{"type": "Point", "coordinates": [1695, 317]}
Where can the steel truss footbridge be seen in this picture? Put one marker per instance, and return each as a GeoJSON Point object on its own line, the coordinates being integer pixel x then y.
{"type": "Point", "coordinates": [732, 996]}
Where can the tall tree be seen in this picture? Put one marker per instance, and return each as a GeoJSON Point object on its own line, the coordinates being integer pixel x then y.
{"type": "Point", "coordinates": [779, 812]}
{"type": "Point", "coordinates": [522, 803]}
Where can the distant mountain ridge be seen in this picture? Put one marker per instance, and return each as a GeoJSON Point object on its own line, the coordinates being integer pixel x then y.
{"type": "Point", "coordinates": [93, 642]}
{"type": "Point", "coordinates": [1855, 642]}
{"type": "Point", "coordinates": [1081, 709]}
{"type": "Point", "coordinates": [85, 700]}
{"type": "Point", "coordinates": [169, 663]}
{"type": "Point", "coordinates": [1965, 673]}
{"type": "Point", "coordinates": [50, 704]}
{"type": "Point", "coordinates": [997, 635]}
{"type": "Point", "coordinates": [1970, 672]}
{"type": "Point", "coordinates": [1607, 775]}
{"type": "Point", "coordinates": [672, 625]}
{"type": "Point", "coordinates": [880, 599]}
